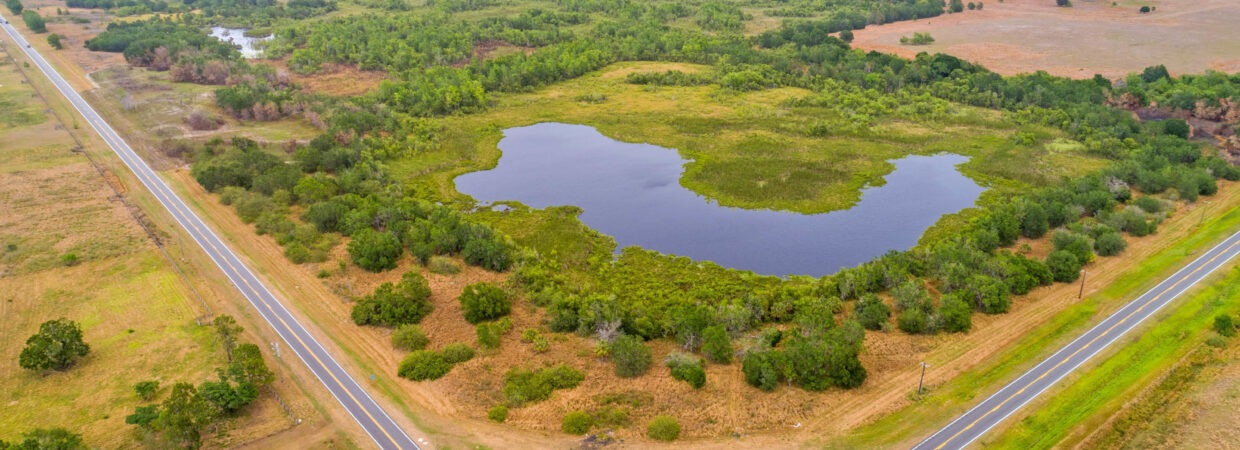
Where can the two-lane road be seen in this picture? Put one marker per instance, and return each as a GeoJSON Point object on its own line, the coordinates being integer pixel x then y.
{"type": "Point", "coordinates": [373, 419]}
{"type": "Point", "coordinates": [977, 421]}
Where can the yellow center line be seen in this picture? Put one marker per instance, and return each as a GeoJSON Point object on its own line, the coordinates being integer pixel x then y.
{"type": "Point", "coordinates": [176, 210]}
{"type": "Point", "coordinates": [1087, 345]}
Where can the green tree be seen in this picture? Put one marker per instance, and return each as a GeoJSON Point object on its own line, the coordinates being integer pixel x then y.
{"type": "Point", "coordinates": [249, 366]}
{"type": "Point", "coordinates": [576, 422]}
{"type": "Point", "coordinates": [33, 21]}
{"type": "Point", "coordinates": [54, 41]}
{"type": "Point", "coordinates": [1065, 267]}
{"type": "Point", "coordinates": [146, 389]}
{"type": "Point", "coordinates": [957, 314]}
{"type": "Point", "coordinates": [423, 365]}
{"type": "Point", "coordinates": [956, 6]}
{"type": "Point", "coordinates": [228, 395]}
{"type": "Point", "coordinates": [871, 312]}
{"type": "Point", "coordinates": [484, 301]}
{"type": "Point", "coordinates": [846, 36]}
{"type": "Point", "coordinates": [47, 439]}
{"type": "Point", "coordinates": [1034, 223]}
{"type": "Point", "coordinates": [1111, 243]}
{"type": "Point", "coordinates": [1176, 127]}
{"type": "Point", "coordinates": [14, 5]}
{"type": "Point", "coordinates": [663, 428]}
{"type": "Point", "coordinates": [912, 321]}
{"type": "Point", "coordinates": [716, 344]}
{"type": "Point", "coordinates": [630, 355]}
{"type": "Point", "coordinates": [183, 415]}
{"type": "Point", "coordinates": [1225, 325]}
{"type": "Point", "coordinates": [390, 304]}
{"type": "Point", "coordinates": [688, 369]}
{"type": "Point", "coordinates": [228, 330]}
{"type": "Point", "coordinates": [409, 337]}
{"type": "Point", "coordinates": [375, 251]}
{"type": "Point", "coordinates": [762, 369]}
{"type": "Point", "coordinates": [57, 346]}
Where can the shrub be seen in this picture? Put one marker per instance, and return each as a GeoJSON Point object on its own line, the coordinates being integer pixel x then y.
{"type": "Point", "coordinates": [443, 265]}
{"type": "Point", "coordinates": [1176, 127]}
{"type": "Point", "coordinates": [762, 369]}
{"type": "Point", "coordinates": [409, 337]}
{"type": "Point", "coordinates": [631, 356]}
{"type": "Point", "coordinates": [846, 36]}
{"type": "Point", "coordinates": [541, 344]}
{"type": "Point", "coordinates": [457, 353]}
{"type": "Point", "coordinates": [395, 304]}
{"type": "Point", "coordinates": [375, 251]}
{"type": "Point", "coordinates": [576, 422]}
{"type": "Point", "coordinates": [1111, 243]}
{"type": "Point", "coordinates": [1149, 204]}
{"type": "Point", "coordinates": [146, 389]}
{"type": "Point", "coordinates": [871, 312]}
{"type": "Point", "coordinates": [423, 365]}
{"type": "Point", "coordinates": [484, 301]}
{"type": "Point", "coordinates": [498, 414]}
{"type": "Point", "coordinates": [1216, 341]}
{"type": "Point", "coordinates": [913, 321]}
{"type": "Point", "coordinates": [1225, 325]}
{"type": "Point", "coordinates": [488, 335]}
{"type": "Point", "coordinates": [716, 344]}
{"type": "Point", "coordinates": [1064, 266]}
{"type": "Point", "coordinates": [529, 334]}
{"type": "Point", "coordinates": [663, 428]}
{"type": "Point", "coordinates": [523, 386]}
{"type": "Point", "coordinates": [957, 315]}
{"type": "Point", "coordinates": [688, 369]}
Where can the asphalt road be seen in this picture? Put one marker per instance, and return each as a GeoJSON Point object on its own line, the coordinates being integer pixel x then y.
{"type": "Point", "coordinates": [977, 421]}
{"type": "Point", "coordinates": [373, 419]}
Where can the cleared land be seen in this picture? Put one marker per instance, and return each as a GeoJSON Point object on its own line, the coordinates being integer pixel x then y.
{"type": "Point", "coordinates": [1022, 36]}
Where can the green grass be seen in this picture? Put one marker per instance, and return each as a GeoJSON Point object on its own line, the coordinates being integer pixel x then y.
{"type": "Point", "coordinates": [1100, 391]}
{"type": "Point", "coordinates": [943, 403]}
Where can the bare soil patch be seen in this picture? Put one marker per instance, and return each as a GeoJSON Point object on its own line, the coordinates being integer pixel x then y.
{"type": "Point", "coordinates": [339, 80]}
{"type": "Point", "coordinates": [1022, 36]}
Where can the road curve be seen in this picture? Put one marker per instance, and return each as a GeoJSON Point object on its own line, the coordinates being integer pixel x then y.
{"type": "Point", "coordinates": [990, 412]}
{"type": "Point", "coordinates": [373, 419]}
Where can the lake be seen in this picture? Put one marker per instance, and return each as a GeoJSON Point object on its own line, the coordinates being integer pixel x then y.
{"type": "Point", "coordinates": [237, 36]}
{"type": "Point", "coordinates": [632, 193]}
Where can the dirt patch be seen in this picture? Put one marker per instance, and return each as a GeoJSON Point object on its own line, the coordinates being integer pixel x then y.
{"type": "Point", "coordinates": [338, 80]}
{"type": "Point", "coordinates": [493, 49]}
{"type": "Point", "coordinates": [1022, 36]}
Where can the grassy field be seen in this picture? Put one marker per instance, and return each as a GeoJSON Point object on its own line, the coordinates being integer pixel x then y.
{"type": "Point", "coordinates": [751, 149]}
{"type": "Point", "coordinates": [137, 313]}
{"type": "Point", "coordinates": [944, 402]}
{"type": "Point", "coordinates": [57, 204]}
{"type": "Point", "coordinates": [1099, 392]}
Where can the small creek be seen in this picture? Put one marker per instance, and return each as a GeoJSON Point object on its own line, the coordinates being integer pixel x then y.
{"type": "Point", "coordinates": [632, 193]}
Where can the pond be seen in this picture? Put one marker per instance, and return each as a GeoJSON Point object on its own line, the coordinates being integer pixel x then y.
{"type": "Point", "coordinates": [237, 36]}
{"type": "Point", "coordinates": [632, 193]}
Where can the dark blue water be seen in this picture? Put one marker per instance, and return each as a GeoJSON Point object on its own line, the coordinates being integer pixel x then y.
{"type": "Point", "coordinates": [632, 192]}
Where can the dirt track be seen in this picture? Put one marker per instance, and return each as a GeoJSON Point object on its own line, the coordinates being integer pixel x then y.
{"type": "Point", "coordinates": [1022, 36]}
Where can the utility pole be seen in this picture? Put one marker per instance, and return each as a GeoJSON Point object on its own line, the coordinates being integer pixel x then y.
{"type": "Point", "coordinates": [923, 377]}
{"type": "Point", "coordinates": [1082, 293]}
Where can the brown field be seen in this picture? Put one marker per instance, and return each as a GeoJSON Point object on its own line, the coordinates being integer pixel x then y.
{"type": "Point", "coordinates": [138, 313]}
{"type": "Point", "coordinates": [1021, 36]}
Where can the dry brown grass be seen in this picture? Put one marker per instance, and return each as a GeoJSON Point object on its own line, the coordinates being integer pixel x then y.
{"type": "Point", "coordinates": [1021, 36]}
